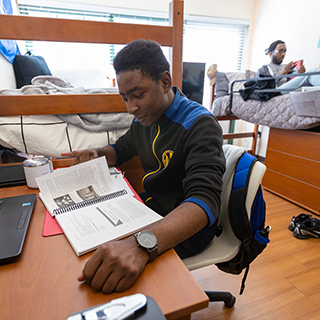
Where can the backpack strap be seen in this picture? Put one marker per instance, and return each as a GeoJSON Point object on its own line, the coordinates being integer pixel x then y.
{"type": "Point", "coordinates": [238, 215]}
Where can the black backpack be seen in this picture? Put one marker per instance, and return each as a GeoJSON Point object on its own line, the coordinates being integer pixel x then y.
{"type": "Point", "coordinates": [252, 233]}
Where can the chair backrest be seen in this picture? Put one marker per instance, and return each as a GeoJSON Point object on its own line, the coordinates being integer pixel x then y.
{"type": "Point", "coordinates": [226, 246]}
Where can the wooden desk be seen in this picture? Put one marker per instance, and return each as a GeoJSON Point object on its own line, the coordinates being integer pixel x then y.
{"type": "Point", "coordinates": [43, 284]}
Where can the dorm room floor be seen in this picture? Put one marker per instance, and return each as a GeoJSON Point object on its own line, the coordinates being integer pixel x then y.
{"type": "Point", "coordinates": [283, 282]}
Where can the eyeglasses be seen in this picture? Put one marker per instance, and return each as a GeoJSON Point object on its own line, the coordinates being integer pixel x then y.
{"type": "Point", "coordinates": [280, 51]}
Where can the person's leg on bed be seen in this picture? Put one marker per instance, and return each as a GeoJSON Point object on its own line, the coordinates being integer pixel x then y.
{"type": "Point", "coordinates": [299, 82]}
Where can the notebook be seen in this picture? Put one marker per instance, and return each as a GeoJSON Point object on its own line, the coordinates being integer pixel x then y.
{"type": "Point", "coordinates": [15, 214]}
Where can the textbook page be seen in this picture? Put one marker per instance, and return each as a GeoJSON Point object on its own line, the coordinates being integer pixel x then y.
{"type": "Point", "coordinates": [69, 186]}
{"type": "Point", "coordinates": [89, 227]}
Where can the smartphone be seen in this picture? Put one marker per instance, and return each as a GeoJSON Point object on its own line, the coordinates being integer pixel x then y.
{"type": "Point", "coordinates": [295, 68]}
{"type": "Point", "coordinates": [298, 64]}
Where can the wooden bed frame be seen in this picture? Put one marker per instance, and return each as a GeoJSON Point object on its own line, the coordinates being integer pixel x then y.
{"type": "Point", "coordinates": [65, 30]}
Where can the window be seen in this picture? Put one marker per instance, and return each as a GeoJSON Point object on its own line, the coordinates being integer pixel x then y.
{"type": "Point", "coordinates": [214, 41]}
{"type": "Point", "coordinates": [205, 40]}
{"type": "Point", "coordinates": [61, 55]}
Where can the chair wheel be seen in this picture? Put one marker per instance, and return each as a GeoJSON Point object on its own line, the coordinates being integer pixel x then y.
{"type": "Point", "coordinates": [231, 302]}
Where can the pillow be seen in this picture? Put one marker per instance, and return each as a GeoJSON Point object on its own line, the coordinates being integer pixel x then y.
{"type": "Point", "coordinates": [27, 67]}
{"type": "Point", "coordinates": [224, 81]}
{"type": "Point", "coordinates": [222, 84]}
{"type": "Point", "coordinates": [232, 76]}
{"type": "Point", "coordinates": [250, 74]}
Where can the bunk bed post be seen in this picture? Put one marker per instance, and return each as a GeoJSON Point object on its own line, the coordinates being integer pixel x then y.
{"type": "Point", "coordinates": [232, 135]}
{"type": "Point", "coordinates": [254, 139]}
{"type": "Point", "coordinates": [176, 21]}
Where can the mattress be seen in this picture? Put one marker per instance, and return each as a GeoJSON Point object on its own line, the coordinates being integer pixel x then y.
{"type": "Point", "coordinates": [278, 112]}
{"type": "Point", "coordinates": [49, 136]}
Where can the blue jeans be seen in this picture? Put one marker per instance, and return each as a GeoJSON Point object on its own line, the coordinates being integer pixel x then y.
{"type": "Point", "coordinates": [299, 82]}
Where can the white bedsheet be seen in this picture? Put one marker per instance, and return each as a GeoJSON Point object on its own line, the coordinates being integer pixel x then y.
{"type": "Point", "coordinates": [49, 136]}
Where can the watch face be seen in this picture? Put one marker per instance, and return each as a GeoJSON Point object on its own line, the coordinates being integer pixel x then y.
{"type": "Point", "coordinates": [146, 239]}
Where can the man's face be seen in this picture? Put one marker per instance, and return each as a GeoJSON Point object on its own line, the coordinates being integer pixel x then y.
{"type": "Point", "coordinates": [279, 53]}
{"type": "Point", "coordinates": [145, 99]}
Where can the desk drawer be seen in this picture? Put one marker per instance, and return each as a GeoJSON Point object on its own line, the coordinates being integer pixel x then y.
{"type": "Point", "coordinates": [299, 168]}
{"type": "Point", "coordinates": [295, 190]}
{"type": "Point", "coordinates": [300, 143]}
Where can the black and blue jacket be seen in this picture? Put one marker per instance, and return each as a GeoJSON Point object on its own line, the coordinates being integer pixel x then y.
{"type": "Point", "coordinates": [182, 156]}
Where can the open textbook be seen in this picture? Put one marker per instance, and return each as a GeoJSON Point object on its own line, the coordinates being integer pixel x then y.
{"type": "Point", "coordinates": [89, 207]}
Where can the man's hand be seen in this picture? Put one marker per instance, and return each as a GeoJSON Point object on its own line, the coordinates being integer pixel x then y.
{"type": "Point", "coordinates": [81, 155]}
{"type": "Point", "coordinates": [302, 69]}
{"type": "Point", "coordinates": [288, 69]}
{"type": "Point", "coordinates": [115, 266]}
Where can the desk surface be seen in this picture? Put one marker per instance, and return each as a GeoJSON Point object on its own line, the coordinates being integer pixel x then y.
{"type": "Point", "coordinates": [43, 284]}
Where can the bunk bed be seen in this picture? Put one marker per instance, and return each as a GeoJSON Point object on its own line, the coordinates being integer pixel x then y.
{"type": "Point", "coordinates": [247, 99]}
{"type": "Point", "coordinates": [65, 30]}
{"type": "Point", "coordinates": [292, 157]}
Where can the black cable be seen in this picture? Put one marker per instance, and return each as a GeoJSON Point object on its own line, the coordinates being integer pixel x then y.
{"type": "Point", "coordinates": [68, 138]}
{"type": "Point", "coordinates": [22, 135]}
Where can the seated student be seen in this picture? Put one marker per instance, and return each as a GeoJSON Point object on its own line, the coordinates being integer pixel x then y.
{"type": "Point", "coordinates": [277, 51]}
{"type": "Point", "coordinates": [179, 143]}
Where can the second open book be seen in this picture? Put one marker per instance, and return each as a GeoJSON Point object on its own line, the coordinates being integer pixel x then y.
{"type": "Point", "coordinates": [90, 208]}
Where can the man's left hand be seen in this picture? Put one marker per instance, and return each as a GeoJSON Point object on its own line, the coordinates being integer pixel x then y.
{"type": "Point", "coordinates": [302, 69]}
{"type": "Point", "coordinates": [115, 266]}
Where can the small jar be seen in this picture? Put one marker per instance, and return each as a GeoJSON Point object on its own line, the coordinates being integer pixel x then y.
{"type": "Point", "coordinates": [36, 167]}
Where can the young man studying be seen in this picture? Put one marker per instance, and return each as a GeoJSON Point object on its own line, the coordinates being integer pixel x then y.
{"type": "Point", "coordinates": [179, 143]}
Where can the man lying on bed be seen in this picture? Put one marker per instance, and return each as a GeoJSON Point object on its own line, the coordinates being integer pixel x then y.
{"type": "Point", "coordinates": [277, 51]}
{"type": "Point", "coordinates": [180, 147]}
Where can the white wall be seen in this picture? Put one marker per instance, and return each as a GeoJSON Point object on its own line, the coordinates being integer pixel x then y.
{"type": "Point", "coordinates": [294, 21]}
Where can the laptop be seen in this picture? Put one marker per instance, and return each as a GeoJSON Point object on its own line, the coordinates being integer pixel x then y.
{"type": "Point", "coordinates": [15, 214]}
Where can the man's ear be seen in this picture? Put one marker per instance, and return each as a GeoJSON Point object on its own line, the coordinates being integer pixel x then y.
{"type": "Point", "coordinates": [166, 81]}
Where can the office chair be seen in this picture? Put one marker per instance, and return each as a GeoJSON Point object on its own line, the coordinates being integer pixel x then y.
{"type": "Point", "coordinates": [226, 246]}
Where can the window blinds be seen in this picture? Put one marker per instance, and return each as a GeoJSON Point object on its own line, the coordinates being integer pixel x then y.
{"type": "Point", "coordinates": [214, 42]}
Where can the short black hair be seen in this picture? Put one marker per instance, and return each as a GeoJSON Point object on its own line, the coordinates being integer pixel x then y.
{"type": "Point", "coordinates": [272, 46]}
{"type": "Point", "coordinates": [144, 55]}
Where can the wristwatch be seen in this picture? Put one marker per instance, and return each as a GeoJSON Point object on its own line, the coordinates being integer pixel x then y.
{"type": "Point", "coordinates": [148, 241]}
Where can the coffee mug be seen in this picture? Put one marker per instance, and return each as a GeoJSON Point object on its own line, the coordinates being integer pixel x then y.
{"type": "Point", "coordinates": [36, 167]}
